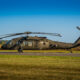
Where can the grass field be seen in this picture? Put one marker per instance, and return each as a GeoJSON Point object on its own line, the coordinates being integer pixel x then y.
{"type": "Point", "coordinates": [20, 67]}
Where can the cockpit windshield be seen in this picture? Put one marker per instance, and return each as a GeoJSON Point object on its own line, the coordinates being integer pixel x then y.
{"type": "Point", "coordinates": [8, 42]}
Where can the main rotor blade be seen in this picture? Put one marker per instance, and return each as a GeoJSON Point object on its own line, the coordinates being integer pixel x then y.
{"type": "Point", "coordinates": [16, 34]}
{"type": "Point", "coordinates": [51, 34]}
{"type": "Point", "coordinates": [10, 35]}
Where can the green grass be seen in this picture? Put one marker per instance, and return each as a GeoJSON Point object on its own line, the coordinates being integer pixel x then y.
{"type": "Point", "coordinates": [20, 67]}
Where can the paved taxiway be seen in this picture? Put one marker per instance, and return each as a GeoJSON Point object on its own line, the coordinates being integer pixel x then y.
{"type": "Point", "coordinates": [41, 54]}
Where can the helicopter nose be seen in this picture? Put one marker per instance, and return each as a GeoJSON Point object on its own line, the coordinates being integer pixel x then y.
{"type": "Point", "coordinates": [4, 46]}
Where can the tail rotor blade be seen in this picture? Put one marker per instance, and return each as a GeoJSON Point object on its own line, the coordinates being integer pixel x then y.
{"type": "Point", "coordinates": [78, 27]}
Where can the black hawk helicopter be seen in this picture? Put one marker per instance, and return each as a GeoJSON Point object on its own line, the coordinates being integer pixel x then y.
{"type": "Point", "coordinates": [28, 42]}
{"type": "Point", "coordinates": [36, 43]}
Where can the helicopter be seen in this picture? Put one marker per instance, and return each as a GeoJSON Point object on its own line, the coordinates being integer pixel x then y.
{"type": "Point", "coordinates": [28, 42]}
{"type": "Point", "coordinates": [36, 43]}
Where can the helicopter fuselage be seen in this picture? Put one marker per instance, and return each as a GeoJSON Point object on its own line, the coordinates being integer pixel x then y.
{"type": "Point", "coordinates": [27, 43]}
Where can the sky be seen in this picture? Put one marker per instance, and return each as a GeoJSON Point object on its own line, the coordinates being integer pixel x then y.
{"type": "Point", "coordinates": [55, 16]}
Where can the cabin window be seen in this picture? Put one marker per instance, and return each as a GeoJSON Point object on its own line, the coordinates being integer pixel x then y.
{"type": "Point", "coordinates": [25, 43]}
{"type": "Point", "coordinates": [30, 43]}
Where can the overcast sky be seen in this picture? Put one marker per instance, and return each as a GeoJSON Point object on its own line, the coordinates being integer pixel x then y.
{"type": "Point", "coordinates": [55, 16]}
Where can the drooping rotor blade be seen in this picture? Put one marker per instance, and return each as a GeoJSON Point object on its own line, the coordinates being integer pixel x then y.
{"type": "Point", "coordinates": [10, 35]}
{"type": "Point", "coordinates": [16, 34]}
{"type": "Point", "coordinates": [52, 34]}
{"type": "Point", "coordinates": [4, 37]}
{"type": "Point", "coordinates": [78, 27]}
